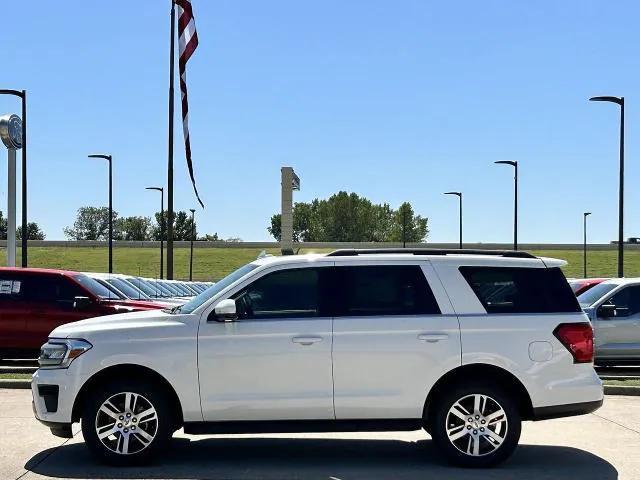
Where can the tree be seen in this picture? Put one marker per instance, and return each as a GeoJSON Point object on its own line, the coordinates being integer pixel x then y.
{"type": "Point", "coordinates": [210, 238]}
{"type": "Point", "coordinates": [3, 227]}
{"type": "Point", "coordinates": [347, 217]}
{"type": "Point", "coordinates": [133, 228]}
{"type": "Point", "coordinates": [92, 223]}
{"type": "Point", "coordinates": [408, 227]}
{"type": "Point", "coordinates": [33, 232]}
{"type": "Point", "coordinates": [181, 226]}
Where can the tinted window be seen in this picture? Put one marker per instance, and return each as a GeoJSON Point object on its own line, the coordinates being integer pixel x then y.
{"type": "Point", "coordinates": [11, 287]}
{"type": "Point", "coordinates": [282, 294]}
{"type": "Point", "coordinates": [384, 290]}
{"type": "Point", "coordinates": [626, 301]}
{"type": "Point", "coordinates": [51, 289]}
{"type": "Point", "coordinates": [521, 290]}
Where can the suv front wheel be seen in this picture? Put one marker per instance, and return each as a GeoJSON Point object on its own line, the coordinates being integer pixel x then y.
{"type": "Point", "coordinates": [126, 422]}
{"type": "Point", "coordinates": [475, 425]}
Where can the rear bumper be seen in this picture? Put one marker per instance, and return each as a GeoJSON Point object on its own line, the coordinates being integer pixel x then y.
{"type": "Point", "coordinates": [569, 410]}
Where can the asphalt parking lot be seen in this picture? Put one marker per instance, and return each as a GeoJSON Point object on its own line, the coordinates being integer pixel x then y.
{"type": "Point", "coordinates": [604, 445]}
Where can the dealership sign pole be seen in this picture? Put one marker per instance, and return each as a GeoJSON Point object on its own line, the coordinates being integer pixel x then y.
{"type": "Point", "coordinates": [11, 134]}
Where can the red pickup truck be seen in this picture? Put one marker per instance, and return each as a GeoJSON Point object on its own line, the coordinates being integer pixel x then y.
{"type": "Point", "coordinates": [34, 301]}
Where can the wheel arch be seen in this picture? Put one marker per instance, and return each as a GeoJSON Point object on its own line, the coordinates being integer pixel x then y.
{"type": "Point", "coordinates": [498, 375]}
{"type": "Point", "coordinates": [132, 371]}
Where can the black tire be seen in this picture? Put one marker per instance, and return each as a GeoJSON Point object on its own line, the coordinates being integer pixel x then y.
{"type": "Point", "coordinates": [488, 454]}
{"type": "Point", "coordinates": [142, 451]}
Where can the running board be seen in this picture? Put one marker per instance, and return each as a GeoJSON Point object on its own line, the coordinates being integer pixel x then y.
{"type": "Point", "coordinates": [304, 426]}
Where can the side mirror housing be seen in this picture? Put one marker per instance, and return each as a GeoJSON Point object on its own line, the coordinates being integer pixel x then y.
{"type": "Point", "coordinates": [225, 311]}
{"type": "Point", "coordinates": [607, 311]}
{"type": "Point", "coordinates": [81, 303]}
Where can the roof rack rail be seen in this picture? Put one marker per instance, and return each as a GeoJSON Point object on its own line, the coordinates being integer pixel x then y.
{"type": "Point", "coordinates": [349, 252]}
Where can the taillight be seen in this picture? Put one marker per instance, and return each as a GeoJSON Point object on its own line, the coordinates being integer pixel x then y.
{"type": "Point", "coordinates": [578, 339]}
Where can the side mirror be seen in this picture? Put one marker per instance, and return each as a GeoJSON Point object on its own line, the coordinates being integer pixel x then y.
{"type": "Point", "coordinates": [607, 311]}
{"type": "Point", "coordinates": [81, 303]}
{"type": "Point", "coordinates": [225, 311]}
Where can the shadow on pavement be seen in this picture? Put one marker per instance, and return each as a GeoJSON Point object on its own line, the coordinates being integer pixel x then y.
{"type": "Point", "coordinates": [284, 458]}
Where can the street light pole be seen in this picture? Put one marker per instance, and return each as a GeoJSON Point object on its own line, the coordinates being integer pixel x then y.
{"type": "Point", "coordinates": [23, 96]}
{"type": "Point", "coordinates": [108, 158]}
{"type": "Point", "coordinates": [584, 244]}
{"type": "Point", "coordinates": [161, 190]}
{"type": "Point", "coordinates": [618, 101]}
{"type": "Point", "coordinates": [459, 195]}
{"type": "Point", "coordinates": [193, 234]}
{"type": "Point", "coordinates": [514, 164]}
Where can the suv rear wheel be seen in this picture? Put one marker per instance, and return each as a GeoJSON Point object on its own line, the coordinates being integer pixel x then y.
{"type": "Point", "coordinates": [475, 425]}
{"type": "Point", "coordinates": [126, 422]}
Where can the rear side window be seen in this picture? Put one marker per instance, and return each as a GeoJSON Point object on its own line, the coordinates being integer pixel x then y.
{"type": "Point", "coordinates": [384, 290]}
{"type": "Point", "coordinates": [521, 290]}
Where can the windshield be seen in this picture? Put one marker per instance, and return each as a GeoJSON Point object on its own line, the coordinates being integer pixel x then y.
{"type": "Point", "coordinates": [146, 288]}
{"type": "Point", "coordinates": [127, 289]}
{"type": "Point", "coordinates": [94, 287]}
{"type": "Point", "coordinates": [216, 288]}
{"type": "Point", "coordinates": [594, 294]}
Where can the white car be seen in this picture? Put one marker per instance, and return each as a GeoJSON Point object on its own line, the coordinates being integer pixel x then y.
{"type": "Point", "coordinates": [614, 309]}
{"type": "Point", "coordinates": [463, 345]}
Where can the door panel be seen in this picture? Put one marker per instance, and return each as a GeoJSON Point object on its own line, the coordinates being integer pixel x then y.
{"type": "Point", "coordinates": [274, 361]}
{"type": "Point", "coordinates": [384, 364]}
{"type": "Point", "coordinates": [619, 336]}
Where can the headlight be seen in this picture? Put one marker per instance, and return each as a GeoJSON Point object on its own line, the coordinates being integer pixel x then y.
{"type": "Point", "coordinates": [60, 353]}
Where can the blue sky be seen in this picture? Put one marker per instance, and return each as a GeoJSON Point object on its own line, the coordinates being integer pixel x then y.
{"type": "Point", "coordinates": [395, 100]}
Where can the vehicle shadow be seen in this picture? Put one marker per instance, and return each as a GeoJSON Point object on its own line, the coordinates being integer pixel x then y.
{"type": "Point", "coordinates": [310, 458]}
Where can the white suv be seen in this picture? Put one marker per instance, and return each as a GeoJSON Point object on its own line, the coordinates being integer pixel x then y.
{"type": "Point", "coordinates": [463, 344]}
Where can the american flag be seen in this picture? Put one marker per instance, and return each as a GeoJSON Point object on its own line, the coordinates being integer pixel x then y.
{"type": "Point", "coordinates": [187, 43]}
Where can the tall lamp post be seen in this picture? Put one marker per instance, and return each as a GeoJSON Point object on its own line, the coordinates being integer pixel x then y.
{"type": "Point", "coordinates": [108, 158]}
{"type": "Point", "coordinates": [618, 101]}
{"type": "Point", "coordinates": [11, 135]}
{"type": "Point", "coordinates": [514, 164]}
{"type": "Point", "coordinates": [459, 195]}
{"type": "Point", "coordinates": [584, 244]}
{"type": "Point", "coordinates": [161, 190]}
{"type": "Point", "coordinates": [193, 234]}
{"type": "Point", "coordinates": [22, 94]}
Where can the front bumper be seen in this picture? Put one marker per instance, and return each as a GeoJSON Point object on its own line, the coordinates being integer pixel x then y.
{"type": "Point", "coordinates": [54, 393]}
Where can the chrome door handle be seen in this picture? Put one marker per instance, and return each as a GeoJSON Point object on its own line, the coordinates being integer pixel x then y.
{"type": "Point", "coordinates": [432, 337]}
{"type": "Point", "coordinates": [306, 340]}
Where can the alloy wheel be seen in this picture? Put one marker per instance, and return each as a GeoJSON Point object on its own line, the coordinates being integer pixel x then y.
{"type": "Point", "coordinates": [126, 423]}
{"type": "Point", "coordinates": [476, 425]}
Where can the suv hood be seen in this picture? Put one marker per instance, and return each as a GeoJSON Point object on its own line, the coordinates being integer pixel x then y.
{"type": "Point", "coordinates": [119, 324]}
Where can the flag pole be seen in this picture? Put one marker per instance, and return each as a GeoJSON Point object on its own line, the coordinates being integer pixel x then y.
{"type": "Point", "coordinates": [170, 155]}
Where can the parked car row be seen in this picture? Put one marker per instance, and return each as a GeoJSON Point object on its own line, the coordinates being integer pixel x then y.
{"type": "Point", "coordinates": [35, 301]}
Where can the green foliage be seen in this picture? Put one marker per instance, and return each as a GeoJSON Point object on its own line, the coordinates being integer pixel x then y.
{"type": "Point", "coordinates": [181, 226]}
{"type": "Point", "coordinates": [133, 228]}
{"type": "Point", "coordinates": [33, 229]}
{"type": "Point", "coordinates": [33, 232]}
{"type": "Point", "coordinates": [92, 223]}
{"type": "Point", "coordinates": [347, 217]}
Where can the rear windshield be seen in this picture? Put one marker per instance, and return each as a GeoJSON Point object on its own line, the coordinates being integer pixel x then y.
{"type": "Point", "coordinates": [95, 287]}
{"type": "Point", "coordinates": [521, 290]}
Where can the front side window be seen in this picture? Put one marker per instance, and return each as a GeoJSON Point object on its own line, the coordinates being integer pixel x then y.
{"type": "Point", "coordinates": [626, 301]}
{"type": "Point", "coordinates": [373, 290]}
{"type": "Point", "coordinates": [521, 290]}
{"type": "Point", "coordinates": [283, 294]}
{"type": "Point", "coordinates": [53, 288]}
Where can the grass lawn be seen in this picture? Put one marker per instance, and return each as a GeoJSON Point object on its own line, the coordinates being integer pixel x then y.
{"type": "Point", "coordinates": [214, 263]}
{"type": "Point", "coordinates": [635, 382]}
{"type": "Point", "coordinates": [15, 376]}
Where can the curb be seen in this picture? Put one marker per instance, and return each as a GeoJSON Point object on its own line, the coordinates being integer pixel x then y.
{"type": "Point", "coordinates": [15, 384]}
{"type": "Point", "coordinates": [621, 390]}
